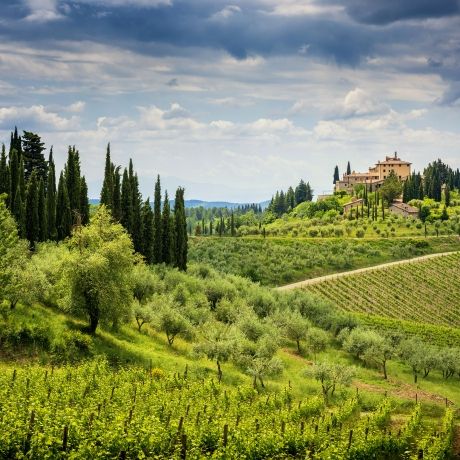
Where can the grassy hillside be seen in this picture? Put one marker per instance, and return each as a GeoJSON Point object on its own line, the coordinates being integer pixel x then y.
{"type": "Point", "coordinates": [276, 261]}
{"type": "Point", "coordinates": [137, 406]}
{"type": "Point", "coordinates": [424, 291]}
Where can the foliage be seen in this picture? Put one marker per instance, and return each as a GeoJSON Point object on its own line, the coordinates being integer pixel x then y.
{"type": "Point", "coordinates": [99, 271]}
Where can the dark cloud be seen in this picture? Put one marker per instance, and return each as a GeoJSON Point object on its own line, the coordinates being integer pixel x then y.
{"type": "Point", "coordinates": [381, 12]}
{"type": "Point", "coordinates": [187, 24]}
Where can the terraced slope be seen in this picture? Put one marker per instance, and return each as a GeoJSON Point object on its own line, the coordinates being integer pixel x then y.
{"type": "Point", "coordinates": [426, 291]}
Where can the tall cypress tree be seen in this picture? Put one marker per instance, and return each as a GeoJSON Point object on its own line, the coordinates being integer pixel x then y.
{"type": "Point", "coordinates": [16, 143]}
{"type": "Point", "coordinates": [336, 174]}
{"type": "Point", "coordinates": [348, 169]}
{"type": "Point", "coordinates": [51, 197]}
{"type": "Point", "coordinates": [73, 180]}
{"type": "Point", "coordinates": [84, 201]}
{"type": "Point", "coordinates": [19, 213]}
{"type": "Point", "coordinates": [116, 208]}
{"type": "Point", "coordinates": [4, 176]}
{"type": "Point", "coordinates": [180, 224]}
{"type": "Point", "coordinates": [148, 236]}
{"type": "Point", "coordinates": [63, 214]}
{"type": "Point", "coordinates": [32, 213]}
{"type": "Point", "coordinates": [166, 232]}
{"type": "Point", "coordinates": [42, 212]}
{"type": "Point", "coordinates": [14, 177]}
{"type": "Point", "coordinates": [107, 184]}
{"type": "Point", "coordinates": [126, 203]}
{"type": "Point", "coordinates": [137, 231]}
{"type": "Point", "coordinates": [157, 224]}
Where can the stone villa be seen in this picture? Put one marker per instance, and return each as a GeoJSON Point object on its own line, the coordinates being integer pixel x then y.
{"type": "Point", "coordinates": [376, 175]}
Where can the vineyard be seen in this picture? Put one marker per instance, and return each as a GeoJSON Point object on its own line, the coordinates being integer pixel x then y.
{"type": "Point", "coordinates": [91, 411]}
{"type": "Point", "coordinates": [425, 291]}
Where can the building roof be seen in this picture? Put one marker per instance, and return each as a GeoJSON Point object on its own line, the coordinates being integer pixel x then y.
{"type": "Point", "coordinates": [404, 207]}
{"type": "Point", "coordinates": [393, 160]}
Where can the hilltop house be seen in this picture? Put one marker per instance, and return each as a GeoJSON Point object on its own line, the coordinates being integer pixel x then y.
{"type": "Point", "coordinates": [376, 175]}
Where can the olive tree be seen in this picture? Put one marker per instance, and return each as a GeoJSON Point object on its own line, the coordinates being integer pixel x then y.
{"type": "Point", "coordinates": [331, 375]}
{"type": "Point", "coordinates": [317, 340]}
{"type": "Point", "coordinates": [219, 343]}
{"type": "Point", "coordinates": [170, 321]}
{"type": "Point", "coordinates": [99, 272]}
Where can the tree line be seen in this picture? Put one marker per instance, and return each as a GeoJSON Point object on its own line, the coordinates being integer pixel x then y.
{"type": "Point", "coordinates": [283, 202]}
{"type": "Point", "coordinates": [45, 212]}
{"type": "Point", "coordinates": [158, 234]}
{"type": "Point", "coordinates": [430, 184]}
{"type": "Point", "coordinates": [42, 211]}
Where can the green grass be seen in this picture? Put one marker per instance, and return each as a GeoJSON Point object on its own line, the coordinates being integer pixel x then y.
{"type": "Point", "coordinates": [277, 261]}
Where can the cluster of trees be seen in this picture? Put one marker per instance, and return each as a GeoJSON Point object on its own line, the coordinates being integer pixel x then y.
{"type": "Point", "coordinates": [436, 175]}
{"type": "Point", "coordinates": [284, 202]}
{"type": "Point", "coordinates": [29, 181]}
{"type": "Point", "coordinates": [159, 235]}
{"type": "Point", "coordinates": [203, 221]}
{"type": "Point", "coordinates": [376, 349]}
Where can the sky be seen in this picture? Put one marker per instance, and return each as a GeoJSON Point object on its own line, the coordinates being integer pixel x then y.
{"type": "Point", "coordinates": [233, 99]}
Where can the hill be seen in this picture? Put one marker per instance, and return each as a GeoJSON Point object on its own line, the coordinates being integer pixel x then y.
{"type": "Point", "coordinates": [425, 291]}
{"type": "Point", "coordinates": [204, 204]}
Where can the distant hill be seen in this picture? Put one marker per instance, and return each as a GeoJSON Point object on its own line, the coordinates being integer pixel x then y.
{"type": "Point", "coordinates": [206, 204]}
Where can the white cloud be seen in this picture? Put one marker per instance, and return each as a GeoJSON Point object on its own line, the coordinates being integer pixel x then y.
{"type": "Point", "coordinates": [36, 117]}
{"type": "Point", "coordinates": [43, 11]}
{"type": "Point", "coordinates": [301, 8]}
{"type": "Point", "coordinates": [226, 13]}
{"type": "Point", "coordinates": [76, 107]}
{"type": "Point", "coordinates": [359, 103]}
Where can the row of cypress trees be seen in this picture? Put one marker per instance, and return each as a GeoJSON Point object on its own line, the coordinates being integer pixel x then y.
{"type": "Point", "coordinates": [42, 212]}
{"type": "Point", "coordinates": [430, 184]}
{"type": "Point", "coordinates": [159, 235]}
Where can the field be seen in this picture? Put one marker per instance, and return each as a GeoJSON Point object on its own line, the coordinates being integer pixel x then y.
{"type": "Point", "coordinates": [93, 412]}
{"type": "Point", "coordinates": [424, 291]}
{"type": "Point", "coordinates": [277, 261]}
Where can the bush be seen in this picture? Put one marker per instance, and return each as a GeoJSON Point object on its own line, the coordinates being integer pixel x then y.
{"type": "Point", "coordinates": [72, 346]}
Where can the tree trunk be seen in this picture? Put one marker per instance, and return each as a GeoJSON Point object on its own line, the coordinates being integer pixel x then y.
{"type": "Point", "coordinates": [93, 320]}
{"type": "Point", "coordinates": [298, 346]}
{"type": "Point", "coordinates": [415, 377]}
{"type": "Point", "coordinates": [219, 371]}
{"type": "Point", "coordinates": [261, 382]}
{"type": "Point", "coordinates": [13, 304]}
{"type": "Point", "coordinates": [385, 376]}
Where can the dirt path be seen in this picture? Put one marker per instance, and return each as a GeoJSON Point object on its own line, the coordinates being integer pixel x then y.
{"type": "Point", "coordinates": [308, 282]}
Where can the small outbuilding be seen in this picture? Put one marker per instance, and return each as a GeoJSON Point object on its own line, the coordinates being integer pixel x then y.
{"type": "Point", "coordinates": [403, 209]}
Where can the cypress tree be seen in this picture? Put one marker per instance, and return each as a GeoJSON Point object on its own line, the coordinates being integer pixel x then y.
{"type": "Point", "coordinates": [32, 213]}
{"type": "Point", "coordinates": [116, 211]}
{"type": "Point", "coordinates": [447, 196]}
{"type": "Point", "coordinates": [336, 174]}
{"type": "Point", "coordinates": [73, 180]}
{"type": "Point", "coordinates": [166, 231]}
{"type": "Point", "coordinates": [63, 214]}
{"type": "Point", "coordinates": [126, 203]}
{"type": "Point", "coordinates": [148, 236]}
{"type": "Point", "coordinates": [137, 231]}
{"type": "Point", "coordinates": [84, 201]}
{"type": "Point", "coordinates": [210, 228]}
{"type": "Point", "coordinates": [19, 214]}
{"type": "Point", "coordinates": [4, 176]}
{"type": "Point", "coordinates": [42, 212]}
{"type": "Point", "coordinates": [348, 169]}
{"type": "Point", "coordinates": [232, 224]}
{"type": "Point", "coordinates": [51, 198]}
{"type": "Point", "coordinates": [180, 231]}
{"type": "Point", "coordinates": [107, 184]}
{"type": "Point", "coordinates": [309, 192]}
{"type": "Point", "coordinates": [14, 177]}
{"type": "Point", "coordinates": [16, 143]}
{"type": "Point", "coordinates": [157, 224]}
